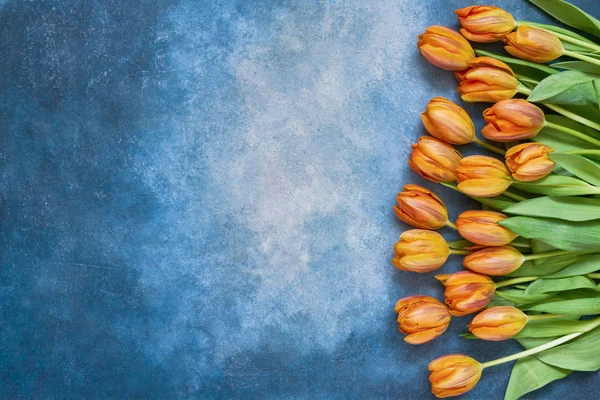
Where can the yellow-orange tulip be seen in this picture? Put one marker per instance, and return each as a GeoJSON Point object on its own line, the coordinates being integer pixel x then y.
{"type": "Point", "coordinates": [482, 176]}
{"type": "Point", "coordinates": [486, 80]}
{"type": "Point", "coordinates": [467, 292]}
{"type": "Point", "coordinates": [422, 318]}
{"type": "Point", "coordinates": [533, 44]}
{"type": "Point", "coordinates": [482, 227]}
{"type": "Point", "coordinates": [445, 48]}
{"type": "Point", "coordinates": [485, 24]}
{"type": "Point", "coordinates": [448, 122]}
{"type": "Point", "coordinates": [529, 161]}
{"type": "Point", "coordinates": [421, 208]}
{"type": "Point", "coordinates": [498, 323]}
{"type": "Point", "coordinates": [512, 120]}
{"type": "Point", "coordinates": [420, 251]}
{"type": "Point", "coordinates": [495, 261]}
{"type": "Point", "coordinates": [453, 375]}
{"type": "Point", "coordinates": [434, 160]}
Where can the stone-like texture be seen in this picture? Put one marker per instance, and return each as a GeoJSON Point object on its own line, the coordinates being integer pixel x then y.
{"type": "Point", "coordinates": [196, 199]}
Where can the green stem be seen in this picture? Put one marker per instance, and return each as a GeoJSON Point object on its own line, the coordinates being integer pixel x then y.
{"type": "Point", "coordinates": [554, 253]}
{"type": "Point", "coordinates": [515, 281]}
{"type": "Point", "coordinates": [581, 57]}
{"type": "Point", "coordinates": [573, 133]}
{"type": "Point", "coordinates": [488, 146]}
{"type": "Point", "coordinates": [451, 225]}
{"type": "Point", "coordinates": [460, 252]}
{"type": "Point", "coordinates": [514, 196]}
{"type": "Point", "coordinates": [589, 151]}
{"type": "Point", "coordinates": [593, 276]}
{"type": "Point", "coordinates": [544, 316]}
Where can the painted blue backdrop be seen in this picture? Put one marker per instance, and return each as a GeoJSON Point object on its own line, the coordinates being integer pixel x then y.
{"type": "Point", "coordinates": [196, 199]}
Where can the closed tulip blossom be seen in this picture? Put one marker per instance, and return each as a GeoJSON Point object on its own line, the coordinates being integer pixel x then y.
{"type": "Point", "coordinates": [453, 375]}
{"type": "Point", "coordinates": [467, 292]}
{"type": "Point", "coordinates": [495, 261]}
{"type": "Point", "coordinates": [420, 251]}
{"type": "Point", "coordinates": [421, 208]}
{"type": "Point", "coordinates": [486, 80]}
{"type": "Point", "coordinates": [482, 176]}
{"type": "Point", "coordinates": [445, 48]}
{"type": "Point", "coordinates": [498, 323]}
{"type": "Point", "coordinates": [482, 227]}
{"type": "Point", "coordinates": [485, 24]}
{"type": "Point", "coordinates": [512, 120]}
{"type": "Point", "coordinates": [533, 44]}
{"type": "Point", "coordinates": [434, 160]}
{"type": "Point", "coordinates": [421, 318]}
{"type": "Point", "coordinates": [448, 122]}
{"type": "Point", "coordinates": [529, 161]}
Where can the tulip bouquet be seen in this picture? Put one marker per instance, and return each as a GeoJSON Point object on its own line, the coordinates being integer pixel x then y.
{"type": "Point", "coordinates": [538, 232]}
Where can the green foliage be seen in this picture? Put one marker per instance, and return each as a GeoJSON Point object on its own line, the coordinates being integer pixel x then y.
{"type": "Point", "coordinates": [565, 208]}
{"type": "Point", "coordinates": [570, 15]}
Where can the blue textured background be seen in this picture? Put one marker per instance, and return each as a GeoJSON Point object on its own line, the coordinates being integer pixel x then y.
{"type": "Point", "coordinates": [196, 199]}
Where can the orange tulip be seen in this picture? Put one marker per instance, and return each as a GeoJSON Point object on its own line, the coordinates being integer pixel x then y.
{"type": "Point", "coordinates": [420, 251]}
{"type": "Point", "coordinates": [495, 261]}
{"type": "Point", "coordinates": [453, 375]}
{"type": "Point", "coordinates": [498, 323]}
{"type": "Point", "coordinates": [421, 208]}
{"type": "Point", "coordinates": [467, 292]}
{"type": "Point", "coordinates": [482, 176]}
{"type": "Point", "coordinates": [423, 318]}
{"type": "Point", "coordinates": [511, 120]}
{"type": "Point", "coordinates": [485, 24]}
{"type": "Point", "coordinates": [529, 161]}
{"type": "Point", "coordinates": [533, 44]}
{"type": "Point", "coordinates": [482, 227]}
{"type": "Point", "coordinates": [448, 122]}
{"type": "Point", "coordinates": [486, 80]}
{"type": "Point", "coordinates": [445, 48]}
{"type": "Point", "coordinates": [434, 160]}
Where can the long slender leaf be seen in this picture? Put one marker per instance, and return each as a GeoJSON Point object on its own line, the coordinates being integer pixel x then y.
{"type": "Point", "coordinates": [558, 185]}
{"type": "Point", "coordinates": [551, 328]}
{"type": "Point", "coordinates": [566, 87]}
{"type": "Point", "coordinates": [542, 286]}
{"type": "Point", "coordinates": [570, 15]}
{"type": "Point", "coordinates": [582, 66]}
{"type": "Point", "coordinates": [576, 302]}
{"type": "Point", "coordinates": [547, 267]}
{"type": "Point", "coordinates": [529, 374]}
{"type": "Point", "coordinates": [566, 208]}
{"type": "Point", "coordinates": [519, 296]}
{"type": "Point", "coordinates": [579, 166]}
{"type": "Point", "coordinates": [584, 265]}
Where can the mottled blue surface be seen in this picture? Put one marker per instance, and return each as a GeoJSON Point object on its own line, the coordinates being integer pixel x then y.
{"type": "Point", "coordinates": [196, 199]}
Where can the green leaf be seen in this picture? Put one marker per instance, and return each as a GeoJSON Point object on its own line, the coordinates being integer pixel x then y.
{"type": "Point", "coordinates": [497, 203]}
{"type": "Point", "coordinates": [566, 87]}
{"type": "Point", "coordinates": [519, 296]}
{"type": "Point", "coordinates": [459, 244]}
{"type": "Point", "coordinates": [579, 166]}
{"type": "Point", "coordinates": [565, 235]}
{"type": "Point", "coordinates": [548, 266]}
{"type": "Point", "coordinates": [529, 374]}
{"type": "Point", "coordinates": [522, 68]}
{"type": "Point", "coordinates": [558, 140]}
{"type": "Point", "coordinates": [558, 185]}
{"type": "Point", "coordinates": [537, 246]}
{"type": "Point", "coordinates": [587, 112]}
{"type": "Point", "coordinates": [547, 328]}
{"type": "Point", "coordinates": [565, 208]}
{"type": "Point", "coordinates": [570, 15]}
{"type": "Point", "coordinates": [582, 66]}
{"type": "Point", "coordinates": [521, 242]}
{"type": "Point", "coordinates": [585, 265]}
{"type": "Point", "coordinates": [542, 286]}
{"type": "Point", "coordinates": [576, 302]}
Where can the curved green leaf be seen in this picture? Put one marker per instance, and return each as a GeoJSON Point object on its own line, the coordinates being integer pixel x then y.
{"type": "Point", "coordinates": [566, 208]}
{"type": "Point", "coordinates": [543, 285]}
{"type": "Point", "coordinates": [519, 296]}
{"type": "Point", "coordinates": [576, 302]}
{"type": "Point", "coordinates": [558, 185]}
{"type": "Point", "coordinates": [529, 374]}
{"type": "Point", "coordinates": [546, 328]}
{"type": "Point", "coordinates": [582, 66]}
{"type": "Point", "coordinates": [570, 15]}
{"type": "Point", "coordinates": [549, 266]}
{"type": "Point", "coordinates": [584, 265]}
{"type": "Point", "coordinates": [579, 166]}
{"type": "Point", "coordinates": [566, 87]}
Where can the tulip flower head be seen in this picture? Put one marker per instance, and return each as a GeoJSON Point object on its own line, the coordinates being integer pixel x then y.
{"type": "Point", "coordinates": [482, 176]}
{"type": "Point", "coordinates": [420, 251]}
{"type": "Point", "coordinates": [512, 120]}
{"type": "Point", "coordinates": [482, 227]}
{"type": "Point", "coordinates": [498, 323]}
{"type": "Point", "coordinates": [485, 24]}
{"type": "Point", "coordinates": [421, 208]}
{"type": "Point", "coordinates": [467, 292]}
{"type": "Point", "coordinates": [448, 122]}
{"type": "Point", "coordinates": [529, 161]}
{"type": "Point", "coordinates": [453, 375]}
{"type": "Point", "coordinates": [434, 160]}
{"type": "Point", "coordinates": [422, 318]}
{"type": "Point", "coordinates": [533, 44]}
{"type": "Point", "coordinates": [486, 80]}
{"type": "Point", "coordinates": [495, 261]}
{"type": "Point", "coordinates": [445, 48]}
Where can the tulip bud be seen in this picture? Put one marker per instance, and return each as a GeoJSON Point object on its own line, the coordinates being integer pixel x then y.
{"type": "Point", "coordinates": [486, 80]}
{"type": "Point", "coordinates": [482, 176]}
{"type": "Point", "coordinates": [482, 227]}
{"type": "Point", "coordinates": [467, 292]}
{"type": "Point", "coordinates": [421, 208]}
{"type": "Point", "coordinates": [423, 318]}
{"type": "Point", "coordinates": [453, 375]}
{"type": "Point", "coordinates": [485, 24]}
{"type": "Point", "coordinates": [498, 323]}
{"type": "Point", "coordinates": [533, 44]}
{"type": "Point", "coordinates": [529, 161]}
{"type": "Point", "coordinates": [445, 48]}
{"type": "Point", "coordinates": [420, 251]}
{"type": "Point", "coordinates": [512, 120]}
{"type": "Point", "coordinates": [448, 122]}
{"type": "Point", "coordinates": [434, 160]}
{"type": "Point", "coordinates": [495, 261]}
